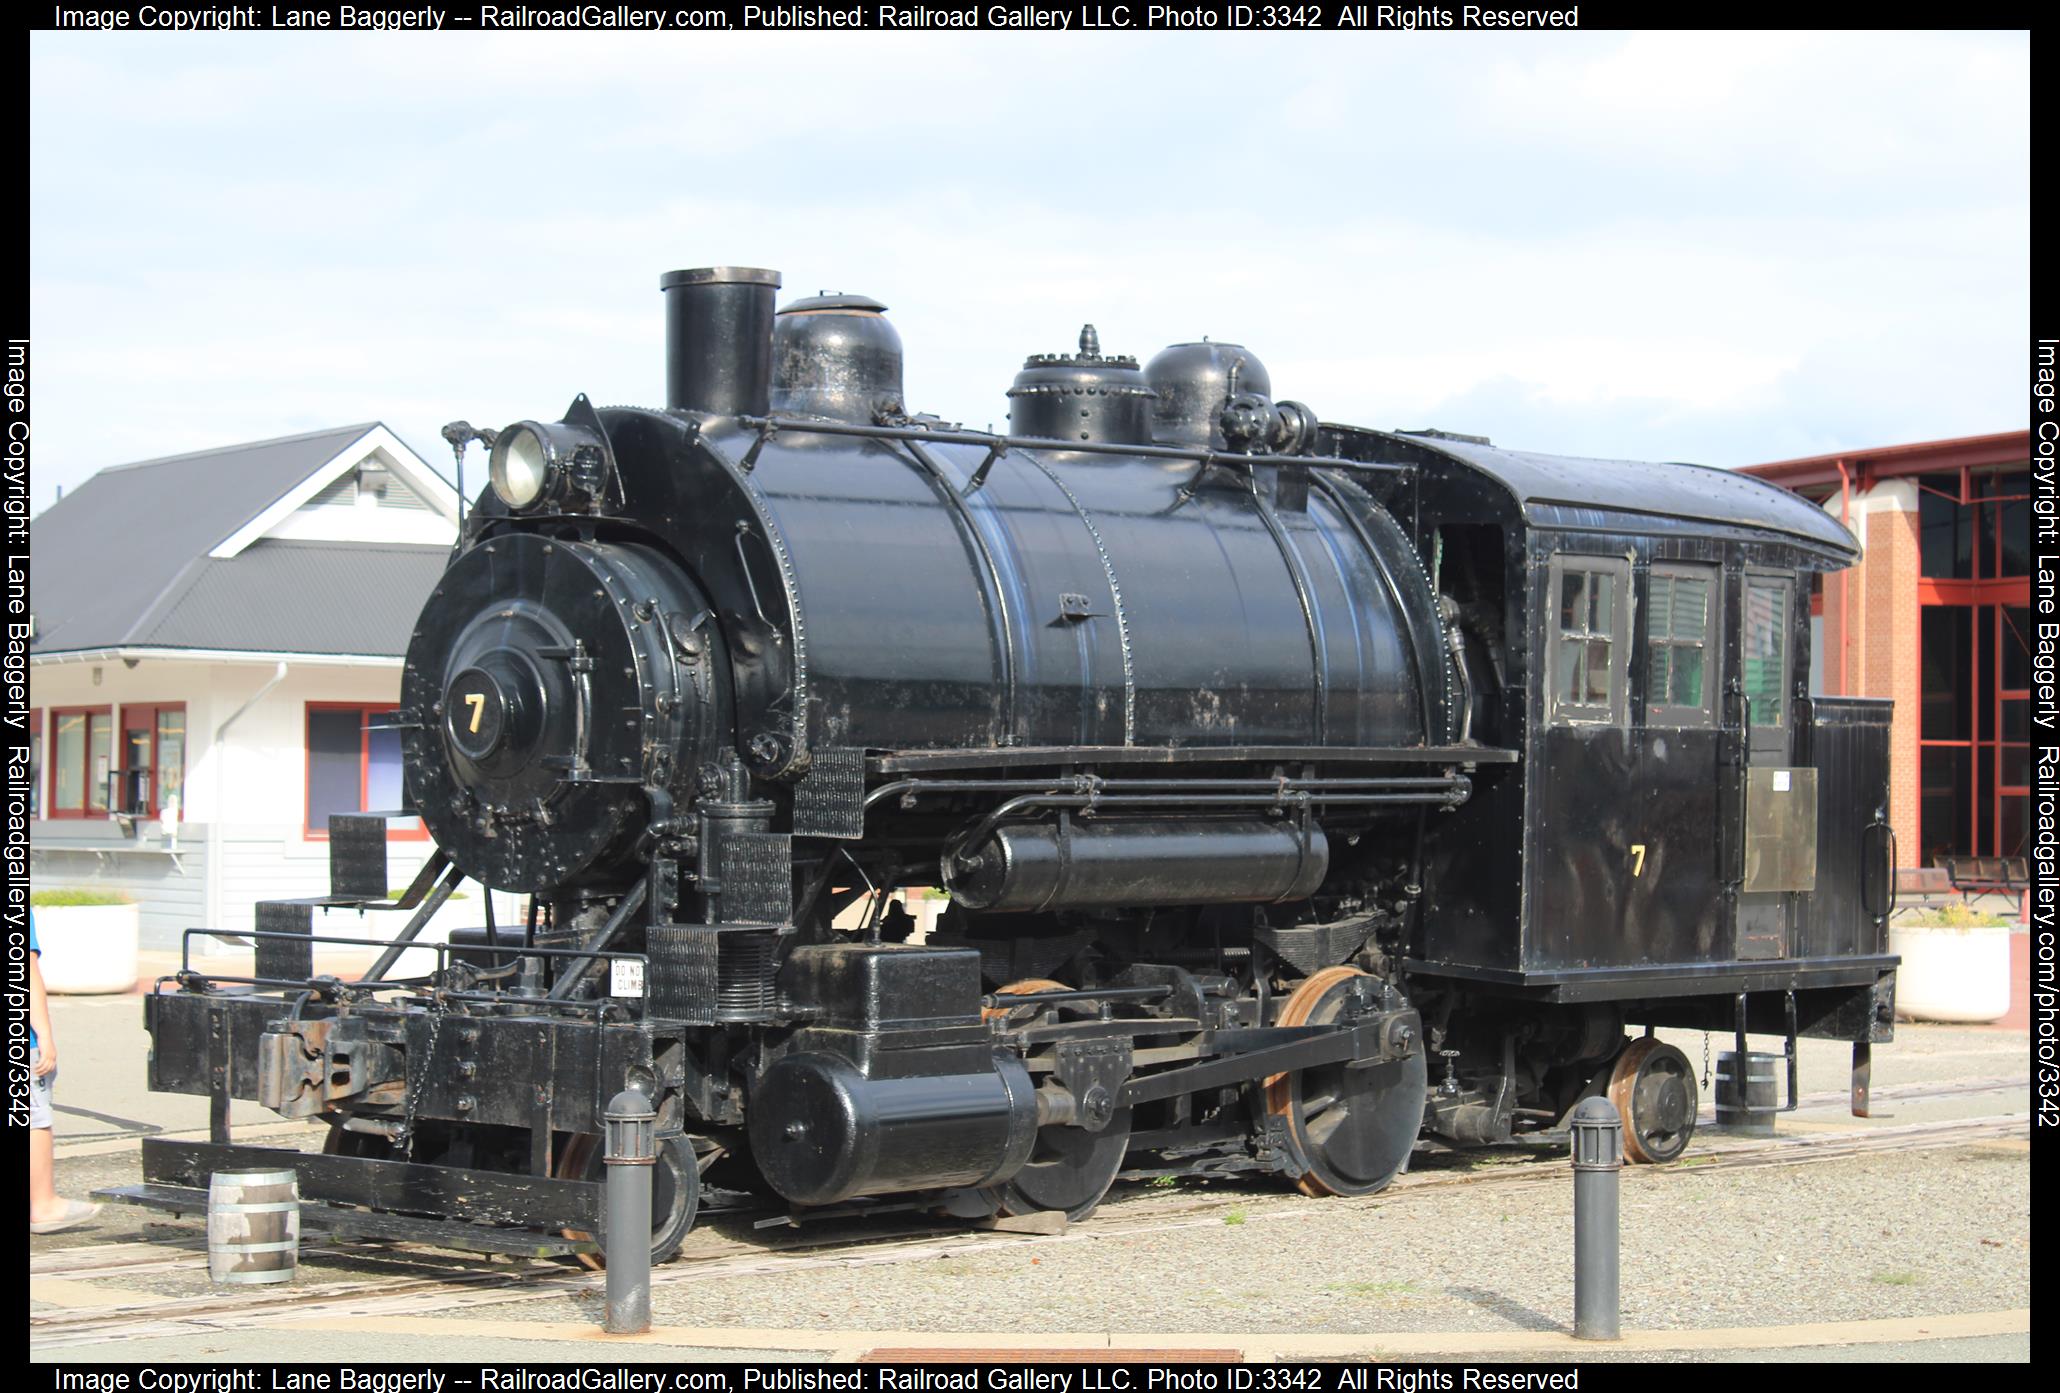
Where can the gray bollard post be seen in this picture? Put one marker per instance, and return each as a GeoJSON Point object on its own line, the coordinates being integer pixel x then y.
{"type": "Point", "coordinates": [1598, 1158]}
{"type": "Point", "coordinates": [631, 1150]}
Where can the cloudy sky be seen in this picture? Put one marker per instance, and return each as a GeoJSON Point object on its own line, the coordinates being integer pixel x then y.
{"type": "Point", "coordinates": [1725, 248]}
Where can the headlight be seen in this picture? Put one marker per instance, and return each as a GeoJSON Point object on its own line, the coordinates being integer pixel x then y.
{"type": "Point", "coordinates": [520, 466]}
{"type": "Point", "coordinates": [561, 466]}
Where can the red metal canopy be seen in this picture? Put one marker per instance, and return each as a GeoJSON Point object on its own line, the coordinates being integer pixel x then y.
{"type": "Point", "coordinates": [1893, 461]}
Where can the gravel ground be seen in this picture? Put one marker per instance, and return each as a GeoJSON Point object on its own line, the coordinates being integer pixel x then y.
{"type": "Point", "coordinates": [1885, 1235]}
{"type": "Point", "coordinates": [1945, 1231]}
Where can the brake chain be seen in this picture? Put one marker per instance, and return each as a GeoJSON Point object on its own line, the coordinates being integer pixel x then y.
{"type": "Point", "coordinates": [438, 1009]}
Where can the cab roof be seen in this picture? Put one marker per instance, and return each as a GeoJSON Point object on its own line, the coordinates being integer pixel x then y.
{"type": "Point", "coordinates": [1563, 491]}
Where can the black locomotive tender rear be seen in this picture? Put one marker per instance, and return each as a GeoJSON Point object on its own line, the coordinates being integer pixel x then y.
{"type": "Point", "coordinates": [1263, 760]}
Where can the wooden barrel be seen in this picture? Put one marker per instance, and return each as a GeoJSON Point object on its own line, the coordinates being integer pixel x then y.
{"type": "Point", "coordinates": [1749, 1111]}
{"type": "Point", "coordinates": [253, 1226]}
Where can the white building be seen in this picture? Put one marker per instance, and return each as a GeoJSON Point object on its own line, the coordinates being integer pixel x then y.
{"type": "Point", "coordinates": [218, 644]}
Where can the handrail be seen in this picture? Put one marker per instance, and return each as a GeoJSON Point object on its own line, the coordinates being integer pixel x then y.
{"type": "Point", "coordinates": [768, 426]}
{"type": "Point", "coordinates": [188, 976]}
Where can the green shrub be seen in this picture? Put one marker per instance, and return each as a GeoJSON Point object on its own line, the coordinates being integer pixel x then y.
{"type": "Point", "coordinates": [1955, 916]}
{"type": "Point", "coordinates": [77, 898]}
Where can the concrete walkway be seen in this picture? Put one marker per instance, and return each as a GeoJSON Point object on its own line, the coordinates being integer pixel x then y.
{"type": "Point", "coordinates": [1987, 1335]}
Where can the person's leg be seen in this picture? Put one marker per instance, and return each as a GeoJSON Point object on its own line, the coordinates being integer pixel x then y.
{"type": "Point", "coordinates": [43, 1201]}
{"type": "Point", "coordinates": [49, 1212]}
{"type": "Point", "coordinates": [44, 1205]}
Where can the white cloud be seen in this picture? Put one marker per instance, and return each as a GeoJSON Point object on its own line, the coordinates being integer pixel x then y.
{"type": "Point", "coordinates": [1675, 245]}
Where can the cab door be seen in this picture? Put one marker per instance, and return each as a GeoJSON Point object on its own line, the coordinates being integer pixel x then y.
{"type": "Point", "coordinates": [1777, 841]}
{"type": "Point", "coordinates": [1676, 884]}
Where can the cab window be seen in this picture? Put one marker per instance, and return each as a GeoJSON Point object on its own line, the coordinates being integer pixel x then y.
{"type": "Point", "coordinates": [1589, 631]}
{"type": "Point", "coordinates": [1764, 648]}
{"type": "Point", "coordinates": [1680, 663]}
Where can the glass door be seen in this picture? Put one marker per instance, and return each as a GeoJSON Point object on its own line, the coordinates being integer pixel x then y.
{"type": "Point", "coordinates": [1766, 627]}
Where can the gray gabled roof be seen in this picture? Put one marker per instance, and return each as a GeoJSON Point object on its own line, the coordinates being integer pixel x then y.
{"type": "Point", "coordinates": [123, 561]}
{"type": "Point", "coordinates": [300, 597]}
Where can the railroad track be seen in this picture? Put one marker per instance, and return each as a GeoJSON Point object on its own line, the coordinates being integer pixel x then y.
{"type": "Point", "coordinates": [1903, 1092]}
{"type": "Point", "coordinates": [731, 1250]}
{"type": "Point", "coordinates": [1455, 1165]}
{"type": "Point", "coordinates": [141, 1259]}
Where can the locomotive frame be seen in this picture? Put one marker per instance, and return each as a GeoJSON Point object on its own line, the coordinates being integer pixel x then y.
{"type": "Point", "coordinates": [1446, 751]}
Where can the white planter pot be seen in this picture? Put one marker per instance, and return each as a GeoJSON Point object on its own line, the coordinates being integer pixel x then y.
{"type": "Point", "coordinates": [1951, 974]}
{"type": "Point", "coordinates": [88, 948]}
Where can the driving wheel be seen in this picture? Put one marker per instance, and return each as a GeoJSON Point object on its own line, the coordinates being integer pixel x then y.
{"type": "Point", "coordinates": [675, 1191]}
{"type": "Point", "coordinates": [1653, 1088]}
{"type": "Point", "coordinates": [1070, 1168]}
{"type": "Point", "coordinates": [1352, 1126]}
{"type": "Point", "coordinates": [1029, 986]}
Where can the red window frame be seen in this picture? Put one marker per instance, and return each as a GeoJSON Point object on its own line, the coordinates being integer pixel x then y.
{"type": "Point", "coordinates": [1997, 594]}
{"type": "Point", "coordinates": [145, 714]}
{"type": "Point", "coordinates": [2002, 745]}
{"type": "Point", "coordinates": [86, 810]}
{"type": "Point", "coordinates": [418, 833]}
{"type": "Point", "coordinates": [1986, 533]}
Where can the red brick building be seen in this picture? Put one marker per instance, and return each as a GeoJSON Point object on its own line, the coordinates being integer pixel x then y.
{"type": "Point", "coordinates": [1936, 615]}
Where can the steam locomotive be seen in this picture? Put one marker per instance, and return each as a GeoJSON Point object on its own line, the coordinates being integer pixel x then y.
{"type": "Point", "coordinates": [1301, 794]}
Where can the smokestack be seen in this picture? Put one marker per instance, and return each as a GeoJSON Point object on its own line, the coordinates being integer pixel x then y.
{"type": "Point", "coordinates": [718, 339]}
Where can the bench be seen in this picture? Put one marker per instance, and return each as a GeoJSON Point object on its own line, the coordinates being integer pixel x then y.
{"type": "Point", "coordinates": [1987, 875]}
{"type": "Point", "coordinates": [1923, 887]}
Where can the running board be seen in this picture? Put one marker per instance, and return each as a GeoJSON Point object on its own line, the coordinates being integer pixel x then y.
{"type": "Point", "coordinates": [492, 1198]}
